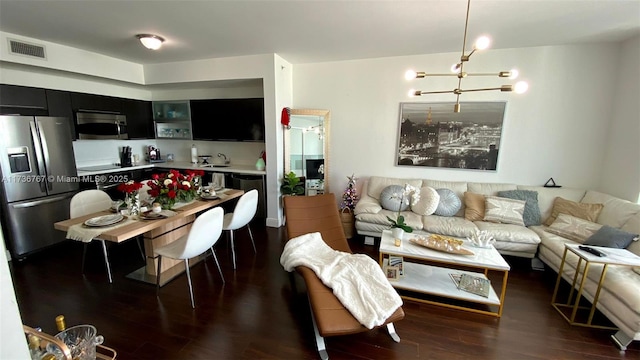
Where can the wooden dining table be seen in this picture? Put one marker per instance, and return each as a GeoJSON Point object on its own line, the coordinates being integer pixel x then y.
{"type": "Point", "coordinates": [156, 233]}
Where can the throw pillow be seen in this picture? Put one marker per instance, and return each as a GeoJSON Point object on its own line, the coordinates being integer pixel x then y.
{"type": "Point", "coordinates": [573, 228]}
{"type": "Point", "coordinates": [611, 237]}
{"type": "Point", "coordinates": [449, 203]}
{"type": "Point", "coordinates": [582, 210]}
{"type": "Point", "coordinates": [428, 203]}
{"type": "Point", "coordinates": [503, 210]}
{"type": "Point", "coordinates": [391, 198]}
{"type": "Point", "coordinates": [531, 213]}
{"type": "Point", "coordinates": [474, 206]}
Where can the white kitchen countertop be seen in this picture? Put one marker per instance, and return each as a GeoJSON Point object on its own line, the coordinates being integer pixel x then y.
{"type": "Point", "coordinates": [180, 165]}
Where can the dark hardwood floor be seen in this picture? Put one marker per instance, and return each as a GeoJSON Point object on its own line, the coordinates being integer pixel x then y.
{"type": "Point", "coordinates": [257, 314]}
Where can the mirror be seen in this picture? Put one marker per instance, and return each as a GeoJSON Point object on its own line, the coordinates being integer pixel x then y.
{"type": "Point", "coordinates": [306, 150]}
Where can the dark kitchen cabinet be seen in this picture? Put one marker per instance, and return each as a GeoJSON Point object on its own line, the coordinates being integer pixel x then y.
{"type": "Point", "coordinates": [96, 103]}
{"type": "Point", "coordinates": [139, 118]}
{"type": "Point", "coordinates": [59, 105]}
{"type": "Point", "coordinates": [204, 121]}
{"type": "Point", "coordinates": [228, 119]}
{"type": "Point", "coordinates": [22, 100]}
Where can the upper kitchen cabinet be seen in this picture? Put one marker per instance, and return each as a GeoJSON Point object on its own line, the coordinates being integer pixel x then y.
{"type": "Point", "coordinates": [22, 100]}
{"type": "Point", "coordinates": [139, 118]}
{"type": "Point", "coordinates": [228, 119]}
{"type": "Point", "coordinates": [172, 119]}
{"type": "Point", "coordinates": [178, 110]}
{"type": "Point", "coordinates": [59, 105]}
{"type": "Point", "coordinates": [96, 103]}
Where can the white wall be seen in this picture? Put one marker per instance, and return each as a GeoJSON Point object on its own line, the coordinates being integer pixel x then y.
{"type": "Point", "coordinates": [12, 340]}
{"type": "Point", "coordinates": [65, 58]}
{"type": "Point", "coordinates": [557, 129]}
{"type": "Point", "coordinates": [621, 172]}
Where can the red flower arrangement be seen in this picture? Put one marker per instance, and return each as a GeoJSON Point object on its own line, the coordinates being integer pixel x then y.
{"type": "Point", "coordinates": [172, 187]}
{"type": "Point", "coordinates": [130, 187]}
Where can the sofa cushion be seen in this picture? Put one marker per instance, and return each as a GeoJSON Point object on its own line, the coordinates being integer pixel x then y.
{"type": "Point", "coordinates": [448, 225]}
{"type": "Point", "coordinates": [458, 187]}
{"type": "Point", "coordinates": [608, 236]}
{"type": "Point", "coordinates": [391, 198]}
{"type": "Point", "coordinates": [449, 203]}
{"type": "Point", "coordinates": [473, 206]}
{"type": "Point", "coordinates": [376, 184]}
{"type": "Point", "coordinates": [547, 196]}
{"type": "Point", "coordinates": [531, 214]}
{"type": "Point", "coordinates": [582, 210]}
{"type": "Point", "coordinates": [503, 210]}
{"type": "Point", "coordinates": [489, 188]}
{"type": "Point", "coordinates": [411, 219]}
{"type": "Point", "coordinates": [428, 203]}
{"type": "Point", "coordinates": [573, 228]}
{"type": "Point", "coordinates": [509, 232]}
{"type": "Point", "coordinates": [615, 212]}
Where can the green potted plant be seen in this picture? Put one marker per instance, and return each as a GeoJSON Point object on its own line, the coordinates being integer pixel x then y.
{"type": "Point", "coordinates": [400, 224]}
{"type": "Point", "coordinates": [291, 185]}
{"type": "Point", "coordinates": [410, 195]}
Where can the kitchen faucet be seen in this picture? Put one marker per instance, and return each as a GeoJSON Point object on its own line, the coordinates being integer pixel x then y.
{"type": "Point", "coordinates": [226, 161]}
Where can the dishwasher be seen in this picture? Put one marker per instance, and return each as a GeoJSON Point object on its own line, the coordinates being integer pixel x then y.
{"type": "Point", "coordinates": [249, 182]}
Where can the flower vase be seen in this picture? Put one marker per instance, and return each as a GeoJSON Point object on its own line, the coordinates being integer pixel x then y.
{"type": "Point", "coordinates": [397, 233]}
{"type": "Point", "coordinates": [133, 203]}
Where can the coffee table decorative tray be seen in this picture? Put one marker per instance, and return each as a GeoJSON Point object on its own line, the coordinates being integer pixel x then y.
{"type": "Point", "coordinates": [441, 243]}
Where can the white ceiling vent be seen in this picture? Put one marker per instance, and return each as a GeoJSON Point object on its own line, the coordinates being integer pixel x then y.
{"type": "Point", "coordinates": [23, 48]}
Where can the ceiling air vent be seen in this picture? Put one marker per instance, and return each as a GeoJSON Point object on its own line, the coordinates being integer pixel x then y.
{"type": "Point", "coordinates": [22, 48]}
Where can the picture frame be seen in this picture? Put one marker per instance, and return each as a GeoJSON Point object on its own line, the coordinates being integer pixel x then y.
{"type": "Point", "coordinates": [392, 272]}
{"type": "Point", "coordinates": [432, 135]}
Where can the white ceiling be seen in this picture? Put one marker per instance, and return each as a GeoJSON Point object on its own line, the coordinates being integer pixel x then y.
{"type": "Point", "coordinates": [313, 31]}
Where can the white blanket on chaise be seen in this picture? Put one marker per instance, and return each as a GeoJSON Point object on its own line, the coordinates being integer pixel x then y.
{"type": "Point", "coordinates": [356, 279]}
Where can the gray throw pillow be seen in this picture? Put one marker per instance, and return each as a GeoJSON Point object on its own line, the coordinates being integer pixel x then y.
{"type": "Point", "coordinates": [611, 237]}
{"type": "Point", "coordinates": [531, 214]}
{"type": "Point", "coordinates": [391, 198]}
{"type": "Point", "coordinates": [449, 204]}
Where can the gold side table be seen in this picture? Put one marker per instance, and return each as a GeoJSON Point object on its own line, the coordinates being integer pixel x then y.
{"type": "Point", "coordinates": [613, 257]}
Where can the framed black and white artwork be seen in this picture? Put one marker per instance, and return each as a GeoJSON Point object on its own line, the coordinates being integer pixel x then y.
{"type": "Point", "coordinates": [432, 135]}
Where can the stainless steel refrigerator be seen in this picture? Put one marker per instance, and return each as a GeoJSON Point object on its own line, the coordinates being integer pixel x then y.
{"type": "Point", "coordinates": [39, 177]}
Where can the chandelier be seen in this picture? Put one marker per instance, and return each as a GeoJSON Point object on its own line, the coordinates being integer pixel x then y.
{"type": "Point", "coordinates": [458, 70]}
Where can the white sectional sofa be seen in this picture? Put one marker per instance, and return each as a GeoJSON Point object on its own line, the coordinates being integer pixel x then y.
{"type": "Point", "coordinates": [620, 296]}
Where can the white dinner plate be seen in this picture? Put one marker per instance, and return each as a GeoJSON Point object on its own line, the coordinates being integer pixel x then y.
{"type": "Point", "coordinates": [104, 220]}
{"type": "Point", "coordinates": [150, 215]}
{"type": "Point", "coordinates": [209, 197]}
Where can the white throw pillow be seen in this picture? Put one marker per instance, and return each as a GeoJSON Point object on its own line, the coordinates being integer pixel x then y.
{"type": "Point", "coordinates": [503, 210]}
{"type": "Point", "coordinates": [573, 228]}
{"type": "Point", "coordinates": [428, 203]}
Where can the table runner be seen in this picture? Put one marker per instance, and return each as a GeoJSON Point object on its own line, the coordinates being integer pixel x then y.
{"type": "Point", "coordinates": [81, 232]}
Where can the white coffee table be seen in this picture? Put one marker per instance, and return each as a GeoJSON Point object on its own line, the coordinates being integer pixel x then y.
{"type": "Point", "coordinates": [434, 278]}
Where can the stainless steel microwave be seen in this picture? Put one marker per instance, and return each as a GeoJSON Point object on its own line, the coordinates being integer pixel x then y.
{"type": "Point", "coordinates": [101, 126]}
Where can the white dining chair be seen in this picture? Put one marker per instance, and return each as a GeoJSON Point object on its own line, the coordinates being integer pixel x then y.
{"type": "Point", "coordinates": [242, 214]}
{"type": "Point", "coordinates": [85, 203]}
{"type": "Point", "coordinates": [204, 233]}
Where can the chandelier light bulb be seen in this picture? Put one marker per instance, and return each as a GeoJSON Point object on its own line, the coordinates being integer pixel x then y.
{"type": "Point", "coordinates": [482, 43]}
{"type": "Point", "coordinates": [514, 74]}
{"type": "Point", "coordinates": [411, 93]}
{"type": "Point", "coordinates": [455, 67]}
{"type": "Point", "coordinates": [520, 87]}
{"type": "Point", "coordinates": [410, 75]}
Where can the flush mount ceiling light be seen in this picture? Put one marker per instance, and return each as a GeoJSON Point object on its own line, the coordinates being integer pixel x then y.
{"type": "Point", "coordinates": [457, 70]}
{"type": "Point", "coordinates": [151, 42]}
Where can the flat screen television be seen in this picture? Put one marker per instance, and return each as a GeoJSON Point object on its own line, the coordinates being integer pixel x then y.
{"type": "Point", "coordinates": [313, 169]}
{"type": "Point", "coordinates": [228, 119]}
